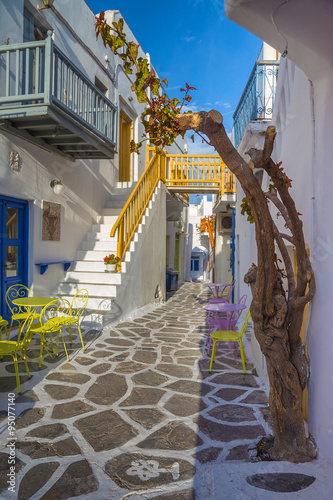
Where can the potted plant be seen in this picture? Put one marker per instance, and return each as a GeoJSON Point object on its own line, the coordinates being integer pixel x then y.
{"type": "Point", "coordinates": [111, 262]}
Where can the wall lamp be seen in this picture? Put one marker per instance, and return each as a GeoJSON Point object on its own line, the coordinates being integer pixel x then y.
{"type": "Point", "coordinates": [47, 4]}
{"type": "Point", "coordinates": [57, 186]}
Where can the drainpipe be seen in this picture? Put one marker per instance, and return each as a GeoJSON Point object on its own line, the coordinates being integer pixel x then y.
{"type": "Point", "coordinates": [313, 207]}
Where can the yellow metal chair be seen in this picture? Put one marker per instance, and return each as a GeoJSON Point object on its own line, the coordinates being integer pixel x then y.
{"type": "Point", "coordinates": [3, 324]}
{"type": "Point", "coordinates": [230, 336]}
{"type": "Point", "coordinates": [13, 348]}
{"type": "Point", "coordinates": [77, 308]}
{"type": "Point", "coordinates": [49, 323]}
{"type": "Point", "coordinates": [19, 314]}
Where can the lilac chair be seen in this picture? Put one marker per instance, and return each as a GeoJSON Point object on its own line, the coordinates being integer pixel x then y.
{"type": "Point", "coordinates": [215, 322]}
{"type": "Point", "coordinates": [224, 295]}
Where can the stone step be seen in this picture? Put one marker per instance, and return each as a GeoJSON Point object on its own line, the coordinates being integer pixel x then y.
{"type": "Point", "coordinates": [101, 228]}
{"type": "Point", "coordinates": [94, 255]}
{"type": "Point", "coordinates": [94, 303]}
{"type": "Point", "coordinates": [100, 236]}
{"type": "Point", "coordinates": [89, 266]}
{"type": "Point", "coordinates": [103, 290]}
{"type": "Point", "coordinates": [108, 219]}
{"type": "Point", "coordinates": [93, 277]}
{"type": "Point", "coordinates": [108, 246]}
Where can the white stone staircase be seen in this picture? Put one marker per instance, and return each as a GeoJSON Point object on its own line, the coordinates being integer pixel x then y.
{"type": "Point", "coordinates": [113, 295]}
{"type": "Point", "coordinates": [89, 270]}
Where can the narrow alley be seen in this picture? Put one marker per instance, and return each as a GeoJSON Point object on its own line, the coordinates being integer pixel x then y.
{"type": "Point", "coordinates": [137, 412]}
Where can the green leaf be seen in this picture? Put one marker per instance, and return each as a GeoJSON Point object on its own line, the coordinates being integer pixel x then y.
{"type": "Point", "coordinates": [127, 68]}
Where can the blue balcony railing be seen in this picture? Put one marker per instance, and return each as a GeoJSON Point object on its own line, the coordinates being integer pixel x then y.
{"type": "Point", "coordinates": [38, 73]}
{"type": "Point", "coordinates": [257, 101]}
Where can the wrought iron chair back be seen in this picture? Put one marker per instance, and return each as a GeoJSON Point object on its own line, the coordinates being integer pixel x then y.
{"type": "Point", "coordinates": [236, 314]}
{"type": "Point", "coordinates": [12, 348]}
{"type": "Point", "coordinates": [79, 303]}
{"type": "Point", "coordinates": [18, 313]}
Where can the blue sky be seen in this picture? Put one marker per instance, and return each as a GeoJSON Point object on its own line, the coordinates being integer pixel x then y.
{"type": "Point", "coordinates": [192, 41]}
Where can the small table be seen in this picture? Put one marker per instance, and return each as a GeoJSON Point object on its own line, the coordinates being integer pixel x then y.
{"type": "Point", "coordinates": [218, 290]}
{"type": "Point", "coordinates": [29, 302]}
{"type": "Point", "coordinates": [225, 307]}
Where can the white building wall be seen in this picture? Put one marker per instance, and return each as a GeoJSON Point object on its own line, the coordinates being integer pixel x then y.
{"type": "Point", "coordinates": [304, 145]}
{"type": "Point", "coordinates": [303, 116]}
{"type": "Point", "coordinates": [88, 183]}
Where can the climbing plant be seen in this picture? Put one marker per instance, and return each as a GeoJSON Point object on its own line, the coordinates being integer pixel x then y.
{"type": "Point", "coordinates": [278, 299]}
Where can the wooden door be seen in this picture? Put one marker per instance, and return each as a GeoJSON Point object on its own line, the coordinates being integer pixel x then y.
{"type": "Point", "coordinates": [14, 246]}
{"type": "Point", "coordinates": [125, 135]}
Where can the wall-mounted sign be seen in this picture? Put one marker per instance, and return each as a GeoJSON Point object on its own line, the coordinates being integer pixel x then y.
{"type": "Point", "coordinates": [51, 221]}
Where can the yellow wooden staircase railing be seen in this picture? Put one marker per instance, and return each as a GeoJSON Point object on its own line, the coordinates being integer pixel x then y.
{"type": "Point", "coordinates": [135, 206]}
{"type": "Point", "coordinates": [204, 173]}
{"type": "Point", "coordinates": [180, 173]}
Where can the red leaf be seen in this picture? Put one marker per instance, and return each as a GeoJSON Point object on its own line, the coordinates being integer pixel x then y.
{"type": "Point", "coordinates": [182, 90]}
{"type": "Point", "coordinates": [187, 86]}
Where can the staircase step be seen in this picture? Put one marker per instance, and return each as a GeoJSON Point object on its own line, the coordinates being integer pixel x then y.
{"type": "Point", "coordinates": [103, 290]}
{"type": "Point", "coordinates": [100, 236]}
{"type": "Point", "coordinates": [108, 246]}
{"type": "Point", "coordinates": [94, 255]}
{"type": "Point", "coordinates": [93, 277]}
{"type": "Point", "coordinates": [101, 228]}
{"type": "Point", "coordinates": [89, 266]}
{"type": "Point", "coordinates": [94, 303]}
{"type": "Point", "coordinates": [108, 219]}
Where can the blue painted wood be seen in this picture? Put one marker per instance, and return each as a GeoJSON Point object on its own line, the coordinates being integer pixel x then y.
{"type": "Point", "coordinates": [44, 265]}
{"type": "Point", "coordinates": [19, 240]}
{"type": "Point", "coordinates": [57, 81]}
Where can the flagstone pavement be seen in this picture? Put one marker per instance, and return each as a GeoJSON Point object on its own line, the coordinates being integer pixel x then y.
{"type": "Point", "coordinates": [137, 415]}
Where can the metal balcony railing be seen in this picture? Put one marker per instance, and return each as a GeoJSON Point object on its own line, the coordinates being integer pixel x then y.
{"type": "Point", "coordinates": [38, 73]}
{"type": "Point", "coordinates": [257, 101]}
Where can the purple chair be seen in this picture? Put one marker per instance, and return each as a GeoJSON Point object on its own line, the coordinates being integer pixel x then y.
{"type": "Point", "coordinates": [222, 292]}
{"type": "Point", "coordinates": [215, 322]}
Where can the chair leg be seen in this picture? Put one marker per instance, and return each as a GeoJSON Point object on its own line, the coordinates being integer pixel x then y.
{"type": "Point", "coordinates": [212, 356]}
{"type": "Point", "coordinates": [78, 327]}
{"type": "Point", "coordinates": [26, 365]}
{"type": "Point", "coordinates": [70, 333]}
{"type": "Point", "coordinates": [57, 343]}
{"type": "Point", "coordinates": [63, 341]}
{"type": "Point", "coordinates": [17, 374]}
{"type": "Point", "coordinates": [242, 354]}
{"type": "Point", "coordinates": [42, 346]}
{"type": "Point", "coordinates": [51, 342]}
{"type": "Point", "coordinates": [232, 350]}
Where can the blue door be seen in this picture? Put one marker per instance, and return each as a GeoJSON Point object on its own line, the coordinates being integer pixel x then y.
{"type": "Point", "coordinates": [14, 247]}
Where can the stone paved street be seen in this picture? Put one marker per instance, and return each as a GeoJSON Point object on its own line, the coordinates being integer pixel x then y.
{"type": "Point", "coordinates": [135, 416]}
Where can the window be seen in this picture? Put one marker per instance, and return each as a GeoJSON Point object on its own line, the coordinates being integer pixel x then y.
{"type": "Point", "coordinates": [195, 264]}
{"type": "Point", "coordinates": [101, 86]}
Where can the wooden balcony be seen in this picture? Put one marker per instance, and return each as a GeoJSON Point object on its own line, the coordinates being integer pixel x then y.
{"type": "Point", "coordinates": [47, 101]}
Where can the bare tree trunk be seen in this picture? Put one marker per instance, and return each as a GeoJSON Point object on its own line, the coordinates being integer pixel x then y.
{"type": "Point", "coordinates": [277, 320]}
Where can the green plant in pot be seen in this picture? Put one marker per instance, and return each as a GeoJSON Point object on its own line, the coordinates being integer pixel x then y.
{"type": "Point", "coordinates": [111, 262]}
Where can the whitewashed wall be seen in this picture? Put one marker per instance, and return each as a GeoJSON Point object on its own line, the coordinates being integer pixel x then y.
{"type": "Point", "coordinates": [304, 145]}
{"type": "Point", "coordinates": [88, 183]}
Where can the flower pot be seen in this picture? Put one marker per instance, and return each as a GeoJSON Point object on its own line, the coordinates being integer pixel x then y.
{"type": "Point", "coordinates": [110, 268]}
